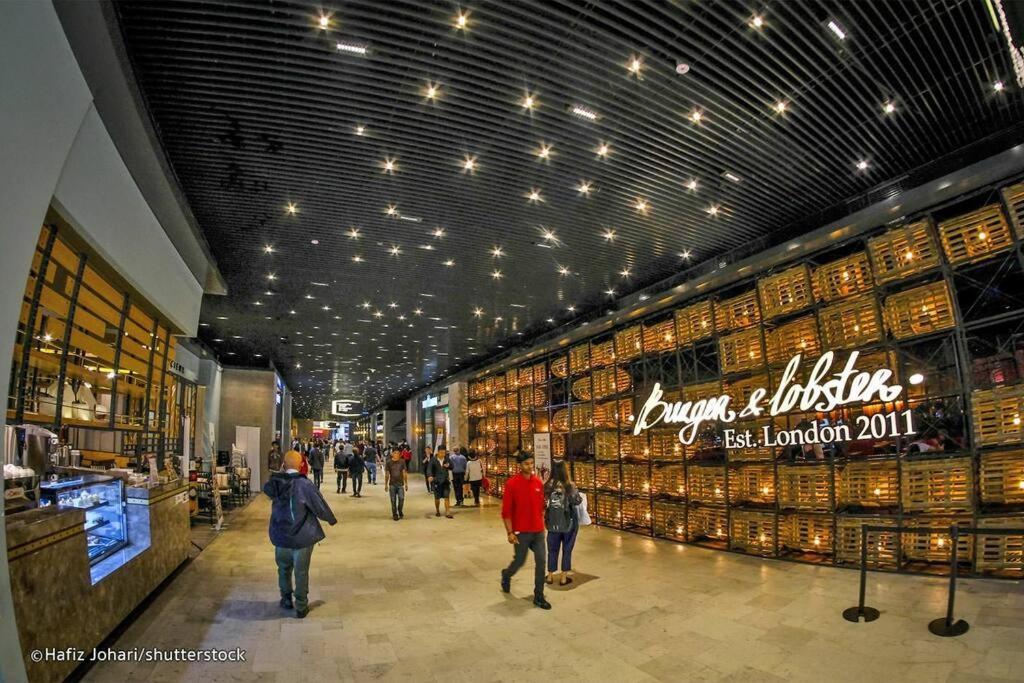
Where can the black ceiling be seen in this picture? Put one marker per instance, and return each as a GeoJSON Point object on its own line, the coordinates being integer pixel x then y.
{"type": "Point", "coordinates": [259, 110]}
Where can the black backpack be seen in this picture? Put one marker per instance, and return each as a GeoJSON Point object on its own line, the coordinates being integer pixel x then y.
{"type": "Point", "coordinates": [559, 512]}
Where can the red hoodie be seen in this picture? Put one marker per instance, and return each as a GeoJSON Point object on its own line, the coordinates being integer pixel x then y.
{"type": "Point", "coordinates": [304, 468]}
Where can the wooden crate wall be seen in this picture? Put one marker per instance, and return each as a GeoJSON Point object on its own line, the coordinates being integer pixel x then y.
{"type": "Point", "coordinates": [920, 310]}
{"type": "Point", "coordinates": [998, 415]}
{"type": "Point", "coordinates": [869, 483]}
{"type": "Point", "coordinates": [659, 337]}
{"type": "Point", "coordinates": [752, 484]}
{"type": "Point", "coordinates": [844, 277]}
{"type": "Point", "coordinates": [706, 484]}
{"type": "Point", "coordinates": [936, 485]}
{"type": "Point", "coordinates": [805, 487]}
{"type": "Point", "coordinates": [785, 292]}
{"type": "Point", "coordinates": [665, 445]}
{"type": "Point", "coordinates": [608, 476]}
{"type": "Point", "coordinates": [695, 322]}
{"type": "Point", "coordinates": [798, 336]}
{"type": "Point", "coordinates": [902, 252]}
{"type": "Point", "coordinates": [583, 474]}
{"type": "Point", "coordinates": [705, 522]}
{"type": "Point", "coordinates": [628, 344]}
{"type": "Point", "coordinates": [607, 509]}
{"type": "Point", "coordinates": [852, 322]}
{"type": "Point", "coordinates": [741, 351]}
{"type": "Point", "coordinates": [883, 546]}
{"type": "Point", "coordinates": [636, 512]}
{"type": "Point", "coordinates": [606, 445]}
{"type": "Point", "coordinates": [635, 479]}
{"type": "Point", "coordinates": [602, 354]}
{"type": "Point", "coordinates": [1014, 198]}
{"type": "Point", "coordinates": [930, 546]}
{"type": "Point", "coordinates": [579, 358]}
{"type": "Point", "coordinates": [1003, 553]}
{"type": "Point", "coordinates": [669, 520]}
{"type": "Point", "coordinates": [975, 236]}
{"type": "Point", "coordinates": [752, 532]}
{"type": "Point", "coordinates": [668, 480]}
{"type": "Point", "coordinates": [1002, 478]}
{"type": "Point", "coordinates": [807, 533]}
{"type": "Point", "coordinates": [739, 311]}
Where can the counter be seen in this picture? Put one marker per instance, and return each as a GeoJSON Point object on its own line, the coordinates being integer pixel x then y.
{"type": "Point", "coordinates": [60, 601]}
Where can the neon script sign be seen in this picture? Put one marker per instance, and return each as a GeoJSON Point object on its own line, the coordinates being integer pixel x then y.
{"type": "Point", "coordinates": [824, 391]}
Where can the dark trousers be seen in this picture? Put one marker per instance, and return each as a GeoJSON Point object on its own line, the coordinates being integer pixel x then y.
{"type": "Point", "coordinates": [458, 479]}
{"type": "Point", "coordinates": [318, 478]}
{"type": "Point", "coordinates": [475, 486]}
{"type": "Point", "coordinates": [564, 540]}
{"type": "Point", "coordinates": [357, 482]}
{"type": "Point", "coordinates": [528, 540]}
{"type": "Point", "coordinates": [397, 493]}
{"type": "Point", "coordinates": [294, 562]}
{"type": "Point", "coordinates": [342, 480]}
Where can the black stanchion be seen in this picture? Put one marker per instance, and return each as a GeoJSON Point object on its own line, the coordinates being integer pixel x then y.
{"type": "Point", "coordinates": [861, 612]}
{"type": "Point", "coordinates": [945, 626]}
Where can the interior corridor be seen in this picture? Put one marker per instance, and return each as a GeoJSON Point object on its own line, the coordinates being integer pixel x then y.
{"type": "Point", "coordinates": [419, 600]}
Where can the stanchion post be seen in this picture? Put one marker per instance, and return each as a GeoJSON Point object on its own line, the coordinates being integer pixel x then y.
{"type": "Point", "coordinates": [861, 612]}
{"type": "Point", "coordinates": [945, 626]}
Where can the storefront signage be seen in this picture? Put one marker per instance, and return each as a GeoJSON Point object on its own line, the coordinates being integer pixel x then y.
{"type": "Point", "coordinates": [542, 454]}
{"type": "Point", "coordinates": [824, 391]}
{"type": "Point", "coordinates": [428, 402]}
{"type": "Point", "coordinates": [346, 407]}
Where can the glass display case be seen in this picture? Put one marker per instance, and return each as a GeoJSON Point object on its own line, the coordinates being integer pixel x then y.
{"type": "Point", "coordinates": [102, 498]}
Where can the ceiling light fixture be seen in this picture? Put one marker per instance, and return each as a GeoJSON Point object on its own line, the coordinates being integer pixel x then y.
{"type": "Point", "coordinates": [268, 249]}
{"type": "Point", "coordinates": [497, 252]}
{"type": "Point", "coordinates": [729, 175]}
{"type": "Point", "coordinates": [757, 22]}
{"type": "Point", "coordinates": [291, 209]}
{"type": "Point", "coordinates": [357, 258]}
{"type": "Point", "coordinates": [780, 107]}
{"type": "Point", "coordinates": [271, 276]}
{"type": "Point", "coordinates": [314, 242]}
{"type": "Point", "coordinates": [324, 22]}
{"type": "Point", "coordinates": [584, 188]}
{"type": "Point", "coordinates": [432, 90]}
{"type": "Point", "coordinates": [603, 149]}
{"type": "Point", "coordinates": [641, 206]}
{"type": "Point", "coordinates": [529, 101]}
{"type": "Point", "coordinates": [478, 312]}
{"type": "Point", "coordinates": [836, 29]}
{"type": "Point", "coordinates": [462, 20]}
{"type": "Point", "coordinates": [998, 86]}
{"type": "Point", "coordinates": [496, 275]}
{"type": "Point", "coordinates": [534, 196]}
{"type": "Point", "coordinates": [889, 107]}
{"type": "Point", "coordinates": [544, 151]}
{"type": "Point", "coordinates": [438, 232]}
{"type": "Point", "coordinates": [584, 112]}
{"type": "Point", "coordinates": [353, 233]}
{"type": "Point", "coordinates": [360, 130]}
{"type": "Point", "coordinates": [563, 270]}
{"type": "Point", "coordinates": [548, 235]}
{"type": "Point", "coordinates": [351, 47]}
{"type": "Point", "coordinates": [862, 165]}
{"type": "Point", "coordinates": [392, 210]}
{"type": "Point", "coordinates": [609, 235]}
{"type": "Point", "coordinates": [469, 164]}
{"type": "Point", "coordinates": [691, 184]}
{"type": "Point", "coordinates": [625, 272]}
{"type": "Point", "coordinates": [449, 263]}
{"type": "Point", "coordinates": [685, 254]}
{"type": "Point", "coordinates": [389, 165]}
{"type": "Point", "coordinates": [635, 64]}
{"type": "Point", "coordinates": [713, 210]}
{"type": "Point", "coordinates": [696, 115]}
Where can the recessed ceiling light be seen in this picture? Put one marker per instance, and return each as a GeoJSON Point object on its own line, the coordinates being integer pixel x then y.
{"type": "Point", "coordinates": [497, 252]}
{"type": "Point", "coordinates": [351, 47]}
{"type": "Point", "coordinates": [449, 263]}
{"type": "Point", "coordinates": [889, 107]}
{"type": "Point", "coordinates": [583, 188]}
{"type": "Point", "coordinates": [389, 165]}
{"type": "Point", "coordinates": [730, 176]}
{"type": "Point", "coordinates": [610, 292]}
{"type": "Point", "coordinates": [696, 115]}
{"type": "Point", "coordinates": [529, 101]}
{"type": "Point", "coordinates": [635, 64]}
{"type": "Point", "coordinates": [271, 276]}
{"type": "Point", "coordinates": [862, 165]}
{"type": "Point", "coordinates": [357, 258]}
{"type": "Point", "coordinates": [534, 196]}
{"type": "Point", "coordinates": [998, 86]}
{"type": "Point", "coordinates": [496, 275]}
{"type": "Point", "coordinates": [563, 270]}
{"type": "Point", "coordinates": [609, 235]}
{"type": "Point", "coordinates": [462, 20]}
{"type": "Point", "coordinates": [757, 21]}
{"type": "Point", "coordinates": [324, 22]}
{"type": "Point", "coordinates": [713, 210]}
{"type": "Point", "coordinates": [469, 164]}
{"type": "Point", "coordinates": [544, 151]}
{"type": "Point", "coordinates": [432, 91]}
{"type": "Point", "coordinates": [395, 251]}
{"type": "Point", "coordinates": [641, 205]}
{"type": "Point", "coordinates": [691, 184]}
{"type": "Point", "coordinates": [360, 129]}
{"type": "Point", "coordinates": [314, 242]}
{"type": "Point", "coordinates": [685, 254]}
{"type": "Point", "coordinates": [291, 209]}
{"type": "Point", "coordinates": [603, 149]}
{"type": "Point", "coordinates": [268, 249]}
{"type": "Point", "coordinates": [624, 272]}
{"type": "Point", "coordinates": [478, 312]}
{"type": "Point", "coordinates": [836, 29]}
{"type": "Point", "coordinates": [570, 308]}
{"type": "Point", "coordinates": [584, 112]}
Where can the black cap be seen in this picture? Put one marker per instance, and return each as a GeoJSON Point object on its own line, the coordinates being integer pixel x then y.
{"type": "Point", "coordinates": [524, 456]}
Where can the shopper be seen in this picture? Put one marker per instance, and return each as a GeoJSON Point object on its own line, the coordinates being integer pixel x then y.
{"type": "Point", "coordinates": [275, 457]}
{"type": "Point", "coordinates": [396, 479]}
{"type": "Point", "coordinates": [522, 510]}
{"type": "Point", "coordinates": [370, 462]}
{"type": "Point", "coordinates": [475, 475]}
{"type": "Point", "coordinates": [561, 498]}
{"type": "Point", "coordinates": [296, 510]}
{"type": "Point", "coordinates": [316, 463]}
{"type": "Point", "coordinates": [341, 470]}
{"type": "Point", "coordinates": [428, 455]}
{"type": "Point", "coordinates": [439, 481]}
{"type": "Point", "coordinates": [458, 467]}
{"type": "Point", "coordinates": [406, 455]}
{"type": "Point", "coordinates": [355, 472]}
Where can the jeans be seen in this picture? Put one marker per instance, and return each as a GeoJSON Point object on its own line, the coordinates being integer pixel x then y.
{"type": "Point", "coordinates": [458, 478]}
{"type": "Point", "coordinates": [528, 540]}
{"type": "Point", "coordinates": [342, 480]}
{"type": "Point", "coordinates": [357, 482]}
{"type": "Point", "coordinates": [295, 560]}
{"type": "Point", "coordinates": [371, 472]}
{"type": "Point", "coordinates": [565, 539]}
{"type": "Point", "coordinates": [397, 493]}
{"type": "Point", "coordinates": [318, 478]}
{"type": "Point", "coordinates": [475, 486]}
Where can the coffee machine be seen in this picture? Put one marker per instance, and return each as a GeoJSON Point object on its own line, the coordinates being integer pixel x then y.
{"type": "Point", "coordinates": [26, 457]}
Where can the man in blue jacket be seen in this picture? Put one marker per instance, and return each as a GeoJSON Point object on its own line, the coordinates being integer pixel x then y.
{"type": "Point", "coordinates": [296, 510]}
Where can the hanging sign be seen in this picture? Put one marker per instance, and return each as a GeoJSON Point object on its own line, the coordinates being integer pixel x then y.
{"type": "Point", "coordinates": [346, 407]}
{"type": "Point", "coordinates": [542, 454]}
{"type": "Point", "coordinates": [824, 391]}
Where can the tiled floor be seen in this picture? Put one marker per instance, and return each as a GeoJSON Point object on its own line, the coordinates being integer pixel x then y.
{"type": "Point", "coordinates": [418, 600]}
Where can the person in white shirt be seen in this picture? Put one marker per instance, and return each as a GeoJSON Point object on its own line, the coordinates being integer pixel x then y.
{"type": "Point", "coordinates": [475, 475]}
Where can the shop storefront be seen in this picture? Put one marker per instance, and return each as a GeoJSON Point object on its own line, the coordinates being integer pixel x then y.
{"type": "Point", "coordinates": [776, 406]}
{"type": "Point", "coordinates": [435, 424]}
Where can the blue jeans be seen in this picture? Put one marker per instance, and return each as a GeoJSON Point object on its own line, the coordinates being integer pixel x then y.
{"type": "Point", "coordinates": [566, 540]}
{"type": "Point", "coordinates": [295, 560]}
{"type": "Point", "coordinates": [371, 472]}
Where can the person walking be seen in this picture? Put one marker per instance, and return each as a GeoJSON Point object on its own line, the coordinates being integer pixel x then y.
{"type": "Point", "coordinates": [458, 461]}
{"type": "Point", "coordinates": [522, 511]}
{"type": "Point", "coordinates": [370, 462]}
{"type": "Point", "coordinates": [296, 510]}
{"type": "Point", "coordinates": [275, 457]}
{"type": "Point", "coordinates": [475, 475]}
{"type": "Point", "coordinates": [406, 455]}
{"type": "Point", "coordinates": [561, 498]}
{"type": "Point", "coordinates": [428, 455]}
{"type": "Point", "coordinates": [316, 463]}
{"type": "Point", "coordinates": [439, 481]}
{"type": "Point", "coordinates": [396, 479]}
{"type": "Point", "coordinates": [355, 472]}
{"type": "Point", "coordinates": [341, 469]}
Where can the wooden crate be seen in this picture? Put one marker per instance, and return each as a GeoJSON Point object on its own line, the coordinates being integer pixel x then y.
{"type": "Point", "coordinates": [560, 420]}
{"type": "Point", "coordinates": [476, 391]}
{"type": "Point", "coordinates": [798, 336]}
{"type": "Point", "coordinates": [634, 445]}
{"type": "Point", "coordinates": [706, 523]}
{"type": "Point", "coordinates": [668, 480]}
{"type": "Point", "coordinates": [583, 389]}
{"type": "Point", "coordinates": [883, 546]}
{"type": "Point", "coordinates": [669, 520]}
{"type": "Point", "coordinates": [807, 533]}
{"type": "Point", "coordinates": [851, 322]}
{"type": "Point", "coordinates": [512, 379]}
{"type": "Point", "coordinates": [532, 397]}
{"type": "Point", "coordinates": [920, 310]}
{"type": "Point", "coordinates": [636, 513]}
{"type": "Point", "coordinates": [659, 337]}
{"type": "Point", "coordinates": [498, 485]}
{"type": "Point", "coordinates": [752, 532]}
{"type": "Point", "coordinates": [579, 359]}
{"type": "Point", "coordinates": [841, 278]}
{"type": "Point", "coordinates": [635, 479]}
{"type": "Point", "coordinates": [695, 392]}
{"type": "Point", "coordinates": [1014, 197]}
{"type": "Point", "coordinates": [583, 474]}
{"type": "Point", "coordinates": [607, 509]}
{"type": "Point", "coordinates": [695, 322]}
{"type": "Point", "coordinates": [665, 445]}
{"type": "Point", "coordinates": [540, 373]}
{"type": "Point", "coordinates": [903, 251]}
{"type": "Point", "coordinates": [1000, 553]}
{"type": "Point", "coordinates": [525, 376]}
{"type": "Point", "coordinates": [925, 546]}
{"type": "Point", "coordinates": [869, 483]}
{"type": "Point", "coordinates": [752, 484]}
{"type": "Point", "coordinates": [1002, 478]}
{"type": "Point", "coordinates": [739, 312]}
{"type": "Point", "coordinates": [608, 476]}
{"type": "Point", "coordinates": [740, 390]}
{"type": "Point", "coordinates": [606, 445]}
{"type": "Point", "coordinates": [610, 381]}
{"type": "Point", "coordinates": [602, 354]}
{"type": "Point", "coordinates": [785, 292]}
{"type": "Point", "coordinates": [997, 415]}
{"type": "Point", "coordinates": [628, 344]}
{"type": "Point", "coordinates": [975, 236]}
{"type": "Point", "coordinates": [706, 484]}
{"type": "Point", "coordinates": [606, 415]}
{"type": "Point", "coordinates": [805, 487]}
{"type": "Point", "coordinates": [526, 424]}
{"type": "Point", "coordinates": [741, 351]}
{"type": "Point", "coordinates": [560, 367]}
{"type": "Point", "coordinates": [937, 485]}
{"type": "Point", "coordinates": [558, 445]}
{"type": "Point", "coordinates": [581, 417]}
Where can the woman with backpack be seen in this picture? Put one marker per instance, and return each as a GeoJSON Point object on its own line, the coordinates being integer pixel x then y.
{"type": "Point", "coordinates": [561, 498]}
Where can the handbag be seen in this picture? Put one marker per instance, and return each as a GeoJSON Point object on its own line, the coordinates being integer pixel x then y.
{"type": "Point", "coordinates": [582, 516]}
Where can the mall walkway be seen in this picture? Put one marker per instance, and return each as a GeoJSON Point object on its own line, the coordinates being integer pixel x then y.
{"type": "Point", "coordinates": [418, 600]}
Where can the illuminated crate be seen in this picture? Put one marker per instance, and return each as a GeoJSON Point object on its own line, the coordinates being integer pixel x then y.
{"type": "Point", "coordinates": [807, 533]}
{"type": "Point", "coordinates": [478, 409]}
{"type": "Point", "coordinates": [695, 392]}
{"type": "Point", "coordinates": [752, 532]}
{"type": "Point", "coordinates": [512, 400]}
{"type": "Point", "coordinates": [636, 513]}
{"type": "Point", "coordinates": [665, 445]}
{"type": "Point", "coordinates": [606, 415]}
{"type": "Point", "coordinates": [785, 292]}
{"type": "Point", "coordinates": [997, 415]}
{"type": "Point", "coordinates": [695, 322]}
{"type": "Point", "coordinates": [608, 476]}
{"type": "Point", "coordinates": [560, 420]}
{"type": "Point", "coordinates": [512, 379]}
{"type": "Point", "coordinates": [838, 279]}
{"type": "Point", "coordinates": [579, 358]}
{"type": "Point", "coordinates": [740, 390]}
{"type": "Point", "coordinates": [752, 484]}
{"type": "Point", "coordinates": [628, 344]}
{"type": "Point", "coordinates": [476, 391]}
{"type": "Point", "coordinates": [936, 485]}
{"type": "Point", "coordinates": [928, 546]}
{"type": "Point", "coordinates": [602, 354]}
{"type": "Point", "coordinates": [1005, 553]}
{"type": "Point", "coordinates": [1014, 197]}
{"type": "Point", "coordinates": [975, 236]}
{"type": "Point", "coordinates": [540, 373]}
{"type": "Point", "coordinates": [607, 509]}
{"type": "Point", "coordinates": [669, 520]}
{"type": "Point", "coordinates": [851, 322]}
{"type": "Point", "coordinates": [560, 367]}
{"type": "Point", "coordinates": [785, 341]}
{"type": "Point", "coordinates": [581, 417]}
{"type": "Point", "coordinates": [498, 485]}
{"type": "Point", "coordinates": [869, 484]}
{"type": "Point", "coordinates": [635, 479]}
{"type": "Point", "coordinates": [525, 423]}
{"type": "Point", "coordinates": [1002, 478]}
{"type": "Point", "coordinates": [610, 381]}
{"type": "Point", "coordinates": [659, 337]}
{"type": "Point", "coordinates": [668, 480]}
{"type": "Point", "coordinates": [902, 252]}
{"type": "Point", "coordinates": [606, 445]}
{"type": "Point", "coordinates": [706, 484]}
{"type": "Point", "coordinates": [741, 351]}
{"type": "Point", "coordinates": [882, 546]}
{"type": "Point", "coordinates": [919, 310]}
{"type": "Point", "coordinates": [739, 311]}
{"type": "Point", "coordinates": [634, 445]}
{"type": "Point", "coordinates": [558, 445]}
{"type": "Point", "coordinates": [583, 475]}
{"type": "Point", "coordinates": [805, 487]}
{"type": "Point", "coordinates": [582, 388]}
{"type": "Point", "coordinates": [532, 397]}
{"type": "Point", "coordinates": [706, 523]}
{"type": "Point", "coordinates": [525, 376]}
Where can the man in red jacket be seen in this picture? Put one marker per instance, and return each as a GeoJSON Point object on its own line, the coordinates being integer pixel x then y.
{"type": "Point", "coordinates": [522, 510]}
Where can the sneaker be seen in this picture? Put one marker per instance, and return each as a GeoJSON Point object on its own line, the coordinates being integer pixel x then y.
{"type": "Point", "coordinates": [437, 514]}
{"type": "Point", "coordinates": [301, 613]}
{"type": "Point", "coordinates": [394, 517]}
{"type": "Point", "coordinates": [506, 584]}
{"type": "Point", "coordinates": [286, 602]}
{"type": "Point", "coordinates": [539, 601]}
